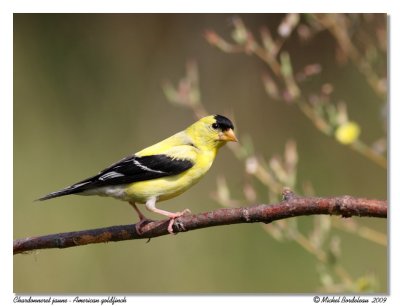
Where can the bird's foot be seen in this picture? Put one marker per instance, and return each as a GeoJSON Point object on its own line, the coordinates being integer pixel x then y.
{"type": "Point", "coordinates": [139, 226]}
{"type": "Point", "coordinates": [173, 216]}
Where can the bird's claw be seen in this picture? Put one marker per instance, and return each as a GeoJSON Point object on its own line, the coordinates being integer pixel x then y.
{"type": "Point", "coordinates": [170, 228]}
{"type": "Point", "coordinates": [139, 226]}
{"type": "Point", "coordinates": [186, 211]}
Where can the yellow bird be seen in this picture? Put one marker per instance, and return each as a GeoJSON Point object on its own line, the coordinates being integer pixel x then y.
{"type": "Point", "coordinates": [161, 171]}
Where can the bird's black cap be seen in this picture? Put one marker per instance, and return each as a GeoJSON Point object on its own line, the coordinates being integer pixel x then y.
{"type": "Point", "coordinates": [223, 123]}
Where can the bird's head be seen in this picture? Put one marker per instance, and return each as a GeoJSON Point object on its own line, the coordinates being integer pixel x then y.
{"type": "Point", "coordinates": [214, 130]}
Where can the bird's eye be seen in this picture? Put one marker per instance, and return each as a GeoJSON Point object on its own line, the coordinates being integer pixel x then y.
{"type": "Point", "coordinates": [215, 126]}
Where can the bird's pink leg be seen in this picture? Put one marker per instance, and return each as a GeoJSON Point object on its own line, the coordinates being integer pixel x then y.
{"type": "Point", "coordinates": [151, 205]}
{"type": "Point", "coordinates": [142, 219]}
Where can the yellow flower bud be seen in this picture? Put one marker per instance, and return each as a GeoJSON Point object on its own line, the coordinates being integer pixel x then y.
{"type": "Point", "coordinates": [348, 133]}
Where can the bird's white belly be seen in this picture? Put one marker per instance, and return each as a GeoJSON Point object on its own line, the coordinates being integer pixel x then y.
{"type": "Point", "coordinates": [117, 191]}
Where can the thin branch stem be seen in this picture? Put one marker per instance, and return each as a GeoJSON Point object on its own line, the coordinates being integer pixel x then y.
{"type": "Point", "coordinates": [291, 206]}
{"type": "Point", "coordinates": [362, 231]}
{"type": "Point", "coordinates": [368, 152]}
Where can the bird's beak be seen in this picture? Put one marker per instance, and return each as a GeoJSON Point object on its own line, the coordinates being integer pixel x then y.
{"type": "Point", "coordinates": [228, 135]}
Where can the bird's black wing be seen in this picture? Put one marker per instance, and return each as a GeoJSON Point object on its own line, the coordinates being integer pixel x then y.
{"type": "Point", "coordinates": [128, 170]}
{"type": "Point", "coordinates": [134, 169]}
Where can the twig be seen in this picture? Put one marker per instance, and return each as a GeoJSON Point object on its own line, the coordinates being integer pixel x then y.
{"type": "Point", "coordinates": [291, 206]}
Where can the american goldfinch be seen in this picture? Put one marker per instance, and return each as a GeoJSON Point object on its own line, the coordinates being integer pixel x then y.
{"type": "Point", "coordinates": [161, 171]}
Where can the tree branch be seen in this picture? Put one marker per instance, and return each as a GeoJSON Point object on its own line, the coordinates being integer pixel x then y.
{"type": "Point", "coordinates": [291, 206]}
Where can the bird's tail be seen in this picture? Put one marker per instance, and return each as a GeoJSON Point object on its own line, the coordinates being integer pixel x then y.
{"type": "Point", "coordinates": [77, 188]}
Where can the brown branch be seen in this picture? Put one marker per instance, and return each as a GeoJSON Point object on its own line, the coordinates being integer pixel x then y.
{"type": "Point", "coordinates": [291, 206]}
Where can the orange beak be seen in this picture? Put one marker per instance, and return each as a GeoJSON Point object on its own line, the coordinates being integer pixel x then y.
{"type": "Point", "coordinates": [228, 135]}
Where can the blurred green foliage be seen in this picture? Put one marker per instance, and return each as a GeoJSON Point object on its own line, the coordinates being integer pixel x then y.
{"type": "Point", "coordinates": [88, 91]}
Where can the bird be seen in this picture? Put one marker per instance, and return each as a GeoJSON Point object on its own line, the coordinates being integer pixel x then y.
{"type": "Point", "coordinates": [161, 171]}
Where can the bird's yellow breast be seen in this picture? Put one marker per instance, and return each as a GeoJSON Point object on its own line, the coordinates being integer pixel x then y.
{"type": "Point", "coordinates": [168, 187]}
